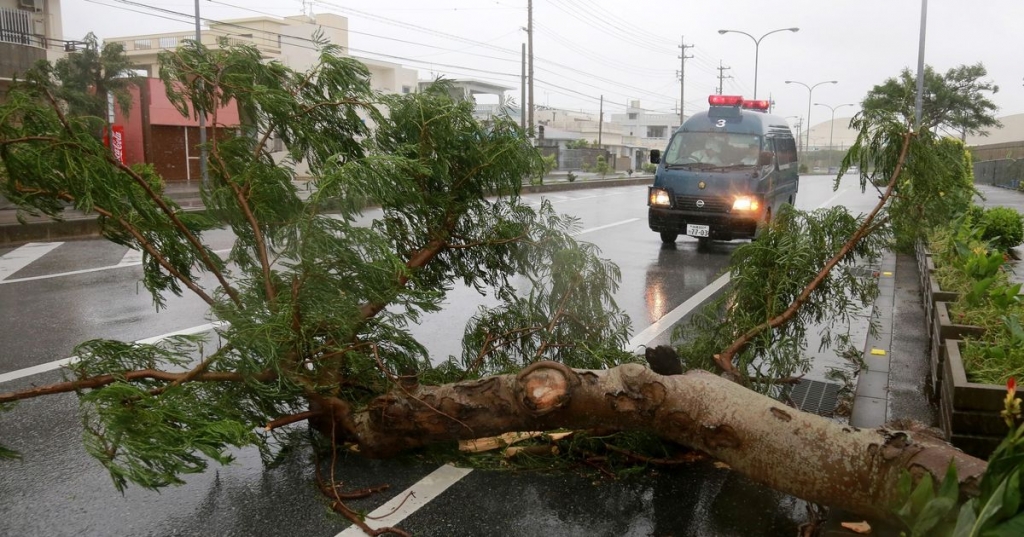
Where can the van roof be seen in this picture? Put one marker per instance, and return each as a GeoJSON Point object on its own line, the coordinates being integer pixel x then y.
{"type": "Point", "coordinates": [746, 122]}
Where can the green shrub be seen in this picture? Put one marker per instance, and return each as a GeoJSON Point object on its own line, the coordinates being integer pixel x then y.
{"type": "Point", "coordinates": [647, 167]}
{"type": "Point", "coordinates": [571, 177]}
{"type": "Point", "coordinates": [803, 168]}
{"type": "Point", "coordinates": [602, 167]}
{"type": "Point", "coordinates": [1004, 227]}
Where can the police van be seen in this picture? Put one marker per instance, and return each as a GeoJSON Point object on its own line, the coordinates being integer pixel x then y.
{"type": "Point", "coordinates": [723, 173]}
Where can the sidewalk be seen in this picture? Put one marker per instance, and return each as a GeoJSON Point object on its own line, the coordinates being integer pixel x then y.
{"type": "Point", "coordinates": [78, 225]}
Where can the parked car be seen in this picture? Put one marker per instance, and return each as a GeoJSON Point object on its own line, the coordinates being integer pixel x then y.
{"type": "Point", "coordinates": [817, 169]}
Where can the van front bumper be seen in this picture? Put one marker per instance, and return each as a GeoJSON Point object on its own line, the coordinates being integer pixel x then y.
{"type": "Point", "coordinates": [723, 226]}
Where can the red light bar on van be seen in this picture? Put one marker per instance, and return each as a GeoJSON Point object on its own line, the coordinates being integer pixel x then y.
{"type": "Point", "coordinates": [757, 105]}
{"type": "Point", "coordinates": [725, 100]}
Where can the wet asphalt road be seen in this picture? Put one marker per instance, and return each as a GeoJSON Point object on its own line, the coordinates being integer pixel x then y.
{"type": "Point", "coordinates": [58, 490]}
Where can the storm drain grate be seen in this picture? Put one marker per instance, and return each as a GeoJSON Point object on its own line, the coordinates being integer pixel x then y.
{"type": "Point", "coordinates": [815, 397]}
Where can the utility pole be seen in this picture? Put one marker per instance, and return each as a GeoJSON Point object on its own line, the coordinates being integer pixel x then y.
{"type": "Point", "coordinates": [529, 40]}
{"type": "Point", "coordinates": [522, 87]}
{"type": "Point", "coordinates": [721, 75]}
{"type": "Point", "coordinates": [202, 114]}
{"type": "Point", "coordinates": [919, 100]}
{"type": "Point", "coordinates": [682, 77]}
{"type": "Point", "coordinates": [600, 122]}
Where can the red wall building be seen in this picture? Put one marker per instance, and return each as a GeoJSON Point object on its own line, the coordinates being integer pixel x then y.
{"type": "Point", "coordinates": [155, 132]}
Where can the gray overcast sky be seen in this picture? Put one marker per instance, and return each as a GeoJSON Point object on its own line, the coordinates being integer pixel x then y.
{"type": "Point", "coordinates": [629, 50]}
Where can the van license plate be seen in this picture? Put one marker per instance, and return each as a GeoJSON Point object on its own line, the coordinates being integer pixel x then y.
{"type": "Point", "coordinates": [697, 231]}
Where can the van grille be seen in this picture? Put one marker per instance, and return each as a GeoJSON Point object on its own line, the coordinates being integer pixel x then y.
{"type": "Point", "coordinates": [711, 204]}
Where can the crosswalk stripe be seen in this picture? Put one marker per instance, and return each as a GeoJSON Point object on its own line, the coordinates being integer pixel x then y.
{"type": "Point", "coordinates": [19, 258]}
{"type": "Point", "coordinates": [131, 257]}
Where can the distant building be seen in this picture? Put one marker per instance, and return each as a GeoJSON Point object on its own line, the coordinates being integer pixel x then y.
{"type": "Point", "coordinates": [644, 128]}
{"type": "Point", "coordinates": [157, 134]}
{"type": "Point", "coordinates": [30, 30]}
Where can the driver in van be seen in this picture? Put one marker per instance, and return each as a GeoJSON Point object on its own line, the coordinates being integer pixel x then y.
{"type": "Point", "coordinates": [710, 154]}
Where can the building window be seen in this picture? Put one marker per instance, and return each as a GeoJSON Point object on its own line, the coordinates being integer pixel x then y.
{"type": "Point", "coordinates": [632, 115]}
{"type": "Point", "coordinates": [143, 44]}
{"type": "Point", "coordinates": [657, 132]}
{"type": "Point", "coordinates": [406, 89]}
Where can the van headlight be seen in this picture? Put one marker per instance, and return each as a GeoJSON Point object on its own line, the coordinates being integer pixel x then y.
{"type": "Point", "coordinates": [746, 203]}
{"type": "Point", "coordinates": [659, 197]}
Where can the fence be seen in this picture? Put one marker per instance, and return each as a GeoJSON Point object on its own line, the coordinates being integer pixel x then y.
{"type": "Point", "coordinates": [1007, 173]}
{"type": "Point", "coordinates": [16, 28]}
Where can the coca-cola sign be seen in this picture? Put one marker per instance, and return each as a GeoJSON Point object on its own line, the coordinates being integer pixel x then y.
{"type": "Point", "coordinates": [117, 142]}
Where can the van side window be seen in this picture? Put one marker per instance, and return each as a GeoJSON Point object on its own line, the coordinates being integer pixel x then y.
{"type": "Point", "coordinates": [786, 150]}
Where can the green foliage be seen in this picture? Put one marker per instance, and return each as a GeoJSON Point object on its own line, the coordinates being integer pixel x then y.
{"type": "Point", "coordinates": [649, 168]}
{"type": "Point", "coordinates": [581, 143]}
{"type": "Point", "coordinates": [928, 511]}
{"type": "Point", "coordinates": [802, 168]}
{"type": "Point", "coordinates": [767, 275]}
{"type": "Point", "coordinates": [1004, 227]}
{"type": "Point", "coordinates": [85, 77]}
{"type": "Point", "coordinates": [316, 308]}
{"type": "Point", "coordinates": [547, 164]}
{"type": "Point", "coordinates": [601, 167]}
{"type": "Point", "coordinates": [957, 100]}
{"type": "Point", "coordinates": [571, 177]}
{"type": "Point", "coordinates": [996, 511]}
{"type": "Point", "coordinates": [935, 183]}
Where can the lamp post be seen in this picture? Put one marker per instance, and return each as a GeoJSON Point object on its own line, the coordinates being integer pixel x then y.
{"type": "Point", "coordinates": [810, 92]}
{"type": "Point", "coordinates": [757, 46]}
{"type": "Point", "coordinates": [799, 129]}
{"type": "Point", "coordinates": [832, 125]}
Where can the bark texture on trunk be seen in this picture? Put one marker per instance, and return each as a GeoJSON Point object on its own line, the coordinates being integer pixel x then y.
{"type": "Point", "coordinates": [798, 453]}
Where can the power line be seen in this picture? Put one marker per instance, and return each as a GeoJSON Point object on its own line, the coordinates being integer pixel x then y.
{"type": "Point", "coordinates": [650, 94]}
{"type": "Point", "coordinates": [184, 17]}
{"type": "Point", "coordinates": [591, 21]}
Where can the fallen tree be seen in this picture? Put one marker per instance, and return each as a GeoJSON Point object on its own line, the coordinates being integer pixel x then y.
{"type": "Point", "coordinates": [315, 307]}
{"type": "Point", "coordinates": [795, 452]}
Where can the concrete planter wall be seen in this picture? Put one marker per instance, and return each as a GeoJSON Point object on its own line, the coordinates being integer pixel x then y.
{"type": "Point", "coordinates": [943, 329]}
{"type": "Point", "coordinates": [969, 412]}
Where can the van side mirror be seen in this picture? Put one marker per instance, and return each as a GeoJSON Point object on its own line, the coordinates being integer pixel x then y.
{"type": "Point", "coordinates": [655, 156]}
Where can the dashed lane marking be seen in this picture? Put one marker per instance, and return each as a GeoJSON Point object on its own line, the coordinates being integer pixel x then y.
{"type": "Point", "coordinates": [124, 263]}
{"type": "Point", "coordinates": [57, 364]}
{"type": "Point", "coordinates": [411, 499]}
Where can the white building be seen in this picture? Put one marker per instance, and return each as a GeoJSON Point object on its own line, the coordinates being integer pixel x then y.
{"type": "Point", "coordinates": [642, 128]}
{"type": "Point", "coordinates": [288, 40]}
{"type": "Point", "coordinates": [30, 30]}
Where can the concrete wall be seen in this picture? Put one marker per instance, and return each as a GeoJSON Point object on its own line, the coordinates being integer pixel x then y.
{"type": "Point", "coordinates": [574, 159]}
{"type": "Point", "coordinates": [1007, 150]}
{"type": "Point", "coordinates": [1007, 173]}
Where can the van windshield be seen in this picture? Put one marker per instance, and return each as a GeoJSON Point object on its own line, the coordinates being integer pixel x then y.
{"type": "Point", "coordinates": [712, 150]}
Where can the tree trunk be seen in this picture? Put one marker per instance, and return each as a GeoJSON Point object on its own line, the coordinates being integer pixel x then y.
{"type": "Point", "coordinates": [794, 452]}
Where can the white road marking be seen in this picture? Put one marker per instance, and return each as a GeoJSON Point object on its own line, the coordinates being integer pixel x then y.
{"type": "Point", "coordinates": [606, 226]}
{"type": "Point", "coordinates": [131, 257]}
{"type": "Point", "coordinates": [20, 258]}
{"type": "Point", "coordinates": [122, 264]}
{"type": "Point", "coordinates": [411, 499]}
{"type": "Point", "coordinates": [57, 364]}
{"type": "Point", "coordinates": [667, 321]}
{"type": "Point", "coordinates": [829, 201]}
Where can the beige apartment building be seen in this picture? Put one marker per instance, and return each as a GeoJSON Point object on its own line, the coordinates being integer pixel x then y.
{"type": "Point", "coordinates": [30, 30]}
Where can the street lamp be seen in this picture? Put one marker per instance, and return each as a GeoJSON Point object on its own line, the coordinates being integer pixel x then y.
{"type": "Point", "coordinates": [799, 128]}
{"type": "Point", "coordinates": [757, 46]}
{"type": "Point", "coordinates": [810, 91]}
{"type": "Point", "coordinates": [831, 125]}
